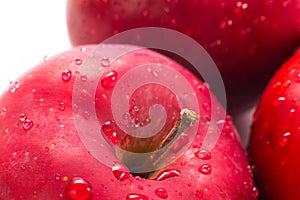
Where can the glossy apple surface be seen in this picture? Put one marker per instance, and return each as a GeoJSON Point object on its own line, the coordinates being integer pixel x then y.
{"type": "Point", "coordinates": [275, 143]}
{"type": "Point", "coordinates": [43, 155]}
{"type": "Point", "coordinates": [248, 40]}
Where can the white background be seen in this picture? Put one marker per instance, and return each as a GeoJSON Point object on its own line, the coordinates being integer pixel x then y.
{"type": "Point", "coordinates": [29, 31]}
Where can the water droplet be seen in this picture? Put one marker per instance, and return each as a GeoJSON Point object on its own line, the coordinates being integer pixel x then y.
{"type": "Point", "coordinates": [34, 194]}
{"type": "Point", "coordinates": [75, 107]}
{"type": "Point", "coordinates": [86, 115]}
{"type": "Point", "coordinates": [292, 113]}
{"type": "Point", "coordinates": [203, 89]}
{"type": "Point", "coordinates": [284, 139]}
{"type": "Point", "coordinates": [287, 83]}
{"type": "Point", "coordinates": [79, 189]}
{"type": "Point", "coordinates": [133, 110]}
{"type": "Point", "coordinates": [135, 196]}
{"type": "Point", "coordinates": [83, 49]}
{"type": "Point", "coordinates": [222, 194]}
{"type": "Point", "coordinates": [126, 116]}
{"type": "Point", "coordinates": [203, 154]}
{"type": "Point", "coordinates": [110, 80]}
{"type": "Point", "coordinates": [297, 78]}
{"type": "Point", "coordinates": [161, 193]}
{"type": "Point", "coordinates": [83, 78]}
{"type": "Point", "coordinates": [255, 192]}
{"type": "Point", "coordinates": [206, 106]}
{"type": "Point", "coordinates": [66, 75]}
{"type": "Point", "coordinates": [61, 106]}
{"type": "Point", "coordinates": [183, 163]}
{"type": "Point", "coordinates": [233, 136]}
{"type": "Point", "coordinates": [57, 176]}
{"type": "Point", "coordinates": [46, 149]}
{"type": "Point", "coordinates": [277, 102]}
{"type": "Point", "coordinates": [199, 193]}
{"type": "Point", "coordinates": [277, 85]}
{"type": "Point", "coordinates": [13, 86]}
{"type": "Point", "coordinates": [155, 73]}
{"type": "Point", "coordinates": [169, 173]}
{"type": "Point", "coordinates": [205, 169]}
{"type": "Point", "coordinates": [22, 117]}
{"type": "Point", "coordinates": [120, 171]}
{"type": "Point", "coordinates": [105, 62]}
{"type": "Point", "coordinates": [246, 184]}
{"type": "Point", "coordinates": [3, 111]}
{"type": "Point", "coordinates": [27, 124]}
{"type": "Point", "coordinates": [141, 187]}
{"type": "Point", "coordinates": [78, 61]}
{"type": "Point", "coordinates": [110, 133]}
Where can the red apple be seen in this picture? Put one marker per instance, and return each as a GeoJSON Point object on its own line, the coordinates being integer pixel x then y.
{"type": "Point", "coordinates": [275, 143]}
{"type": "Point", "coordinates": [44, 117]}
{"type": "Point", "coordinates": [246, 39]}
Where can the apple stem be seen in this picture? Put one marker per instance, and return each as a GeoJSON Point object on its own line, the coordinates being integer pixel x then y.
{"type": "Point", "coordinates": [187, 119]}
{"type": "Point", "coordinates": [145, 164]}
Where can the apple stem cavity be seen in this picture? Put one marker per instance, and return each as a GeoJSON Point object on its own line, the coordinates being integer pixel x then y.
{"type": "Point", "coordinates": [145, 164]}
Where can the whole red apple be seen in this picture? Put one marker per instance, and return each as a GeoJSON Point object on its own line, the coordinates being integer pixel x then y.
{"type": "Point", "coordinates": [275, 143]}
{"type": "Point", "coordinates": [45, 153]}
{"type": "Point", "coordinates": [247, 39]}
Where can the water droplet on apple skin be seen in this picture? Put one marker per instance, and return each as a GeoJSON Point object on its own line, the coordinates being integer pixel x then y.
{"type": "Point", "coordinates": [109, 131]}
{"type": "Point", "coordinates": [203, 154]}
{"type": "Point", "coordinates": [13, 86]}
{"type": "Point", "coordinates": [141, 187]}
{"type": "Point", "coordinates": [199, 193]}
{"type": "Point", "coordinates": [83, 78]}
{"type": "Point", "coordinates": [205, 169]}
{"type": "Point", "coordinates": [297, 78]}
{"type": "Point", "coordinates": [222, 194]}
{"type": "Point", "coordinates": [166, 174]}
{"type": "Point", "coordinates": [27, 124]}
{"type": "Point", "coordinates": [3, 111]}
{"type": "Point", "coordinates": [77, 61]}
{"type": "Point", "coordinates": [22, 117]}
{"type": "Point", "coordinates": [79, 189]}
{"type": "Point", "coordinates": [61, 106]}
{"type": "Point", "coordinates": [120, 171]}
{"type": "Point", "coordinates": [135, 196]}
{"type": "Point", "coordinates": [105, 62]}
{"type": "Point", "coordinates": [292, 113]}
{"type": "Point", "coordinates": [284, 139]}
{"type": "Point", "coordinates": [161, 193]}
{"type": "Point", "coordinates": [57, 176]}
{"type": "Point", "coordinates": [278, 101]}
{"type": "Point", "coordinates": [66, 75]}
{"type": "Point", "coordinates": [110, 80]}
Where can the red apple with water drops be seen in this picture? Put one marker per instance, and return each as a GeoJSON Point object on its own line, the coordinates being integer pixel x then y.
{"type": "Point", "coordinates": [245, 38]}
{"type": "Point", "coordinates": [44, 154]}
{"type": "Point", "coordinates": [275, 143]}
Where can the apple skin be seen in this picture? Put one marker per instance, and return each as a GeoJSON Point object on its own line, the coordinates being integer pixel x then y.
{"type": "Point", "coordinates": [43, 156]}
{"type": "Point", "coordinates": [275, 144]}
{"type": "Point", "coordinates": [247, 40]}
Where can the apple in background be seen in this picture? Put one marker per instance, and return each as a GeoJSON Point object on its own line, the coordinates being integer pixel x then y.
{"type": "Point", "coordinates": [248, 40]}
{"type": "Point", "coordinates": [43, 155]}
{"type": "Point", "coordinates": [274, 146]}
